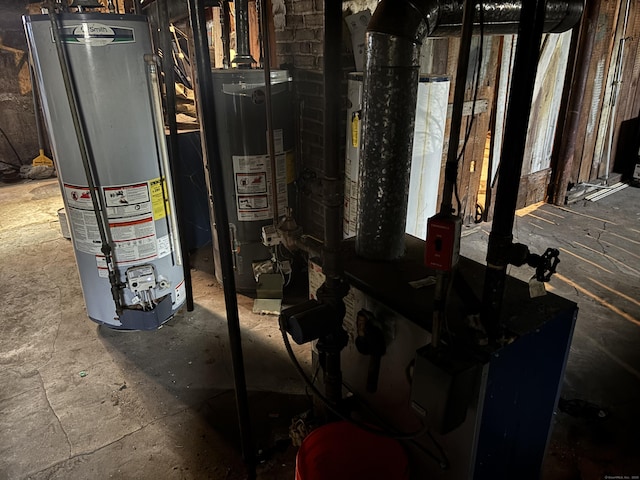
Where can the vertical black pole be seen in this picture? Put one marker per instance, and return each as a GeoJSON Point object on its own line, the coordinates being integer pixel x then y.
{"type": "Point", "coordinates": [522, 85]}
{"type": "Point", "coordinates": [225, 18]}
{"type": "Point", "coordinates": [166, 45]}
{"type": "Point", "coordinates": [332, 291]}
{"type": "Point", "coordinates": [209, 132]}
{"type": "Point", "coordinates": [331, 161]}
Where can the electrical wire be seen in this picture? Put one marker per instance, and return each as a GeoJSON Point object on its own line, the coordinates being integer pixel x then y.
{"type": "Point", "coordinates": [313, 380]}
{"type": "Point", "coordinates": [12, 149]}
{"type": "Point", "coordinates": [277, 255]}
{"type": "Point", "coordinates": [478, 70]}
{"type": "Point", "coordinates": [443, 462]}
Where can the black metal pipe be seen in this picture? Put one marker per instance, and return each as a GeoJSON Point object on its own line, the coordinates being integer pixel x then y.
{"type": "Point", "coordinates": [243, 58]}
{"type": "Point", "coordinates": [166, 45]}
{"type": "Point", "coordinates": [213, 163]}
{"type": "Point", "coordinates": [332, 291]}
{"type": "Point", "coordinates": [517, 122]}
{"type": "Point", "coordinates": [333, 190]}
{"type": "Point", "coordinates": [451, 169]}
{"type": "Point", "coordinates": [225, 20]}
{"type": "Point", "coordinates": [420, 18]}
{"type": "Point", "coordinates": [268, 104]}
{"type": "Point", "coordinates": [88, 160]}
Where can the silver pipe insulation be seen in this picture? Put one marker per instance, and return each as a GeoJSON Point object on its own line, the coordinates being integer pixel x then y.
{"type": "Point", "coordinates": [393, 42]}
{"type": "Point", "coordinates": [155, 98]}
{"type": "Point", "coordinates": [390, 93]}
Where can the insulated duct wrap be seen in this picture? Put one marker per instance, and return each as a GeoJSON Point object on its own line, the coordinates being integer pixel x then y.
{"type": "Point", "coordinates": [434, 18]}
{"type": "Point", "coordinates": [391, 80]}
{"type": "Point", "coordinates": [389, 99]}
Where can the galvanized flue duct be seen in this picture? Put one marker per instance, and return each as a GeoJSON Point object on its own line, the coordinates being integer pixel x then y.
{"type": "Point", "coordinates": [389, 99]}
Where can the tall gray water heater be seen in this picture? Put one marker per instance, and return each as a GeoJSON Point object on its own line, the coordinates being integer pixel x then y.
{"type": "Point", "coordinates": [116, 83]}
{"type": "Point", "coordinates": [242, 125]}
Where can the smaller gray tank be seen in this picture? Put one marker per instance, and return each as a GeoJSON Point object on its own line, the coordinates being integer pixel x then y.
{"type": "Point", "coordinates": [242, 132]}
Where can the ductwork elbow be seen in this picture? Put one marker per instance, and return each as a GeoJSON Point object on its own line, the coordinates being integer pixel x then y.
{"type": "Point", "coordinates": [411, 20]}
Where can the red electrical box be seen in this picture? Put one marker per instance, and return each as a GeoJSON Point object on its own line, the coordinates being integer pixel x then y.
{"type": "Point", "coordinates": [443, 242]}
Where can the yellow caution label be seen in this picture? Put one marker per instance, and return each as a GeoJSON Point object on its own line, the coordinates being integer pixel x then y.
{"type": "Point", "coordinates": [291, 167]}
{"type": "Point", "coordinates": [355, 128]}
{"type": "Point", "coordinates": [159, 197]}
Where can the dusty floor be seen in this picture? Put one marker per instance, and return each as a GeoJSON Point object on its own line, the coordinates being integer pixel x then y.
{"type": "Point", "coordinates": [147, 404]}
{"type": "Point", "coordinates": [599, 245]}
{"type": "Point", "coordinates": [158, 405]}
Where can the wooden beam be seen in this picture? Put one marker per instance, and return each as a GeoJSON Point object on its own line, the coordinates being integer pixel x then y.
{"type": "Point", "coordinates": [254, 32]}
{"type": "Point", "coordinates": [216, 35]}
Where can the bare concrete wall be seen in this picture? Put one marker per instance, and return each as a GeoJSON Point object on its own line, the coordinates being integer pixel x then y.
{"type": "Point", "coordinates": [17, 118]}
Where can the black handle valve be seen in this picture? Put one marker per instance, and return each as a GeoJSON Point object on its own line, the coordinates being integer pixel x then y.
{"type": "Point", "coordinates": [547, 264]}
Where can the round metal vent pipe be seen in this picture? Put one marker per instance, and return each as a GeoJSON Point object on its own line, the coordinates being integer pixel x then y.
{"type": "Point", "coordinates": [393, 42]}
{"type": "Point", "coordinates": [243, 58]}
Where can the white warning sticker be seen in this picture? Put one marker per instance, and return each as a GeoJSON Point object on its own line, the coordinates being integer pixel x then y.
{"type": "Point", "coordinates": [134, 239]}
{"type": "Point", "coordinates": [78, 197]}
{"type": "Point", "coordinates": [82, 219]}
{"type": "Point", "coordinates": [127, 200]}
{"type": "Point", "coordinates": [86, 235]}
{"type": "Point", "coordinates": [164, 246]}
{"type": "Point", "coordinates": [253, 186]}
{"type": "Point", "coordinates": [103, 270]}
{"type": "Point", "coordinates": [130, 213]}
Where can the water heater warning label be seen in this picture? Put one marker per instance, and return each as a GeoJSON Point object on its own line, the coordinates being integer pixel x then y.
{"type": "Point", "coordinates": [131, 222]}
{"type": "Point", "coordinates": [252, 178]}
{"type": "Point", "coordinates": [82, 219]}
{"type": "Point", "coordinates": [159, 198]}
{"type": "Point", "coordinates": [134, 239]}
{"type": "Point", "coordinates": [127, 200]}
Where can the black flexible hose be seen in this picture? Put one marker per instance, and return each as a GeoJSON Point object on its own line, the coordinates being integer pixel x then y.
{"type": "Point", "coordinates": [334, 410]}
{"type": "Point", "coordinates": [412, 436]}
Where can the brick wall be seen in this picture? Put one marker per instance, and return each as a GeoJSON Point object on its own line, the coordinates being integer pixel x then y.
{"type": "Point", "coordinates": [299, 40]}
{"type": "Point", "coordinates": [299, 37]}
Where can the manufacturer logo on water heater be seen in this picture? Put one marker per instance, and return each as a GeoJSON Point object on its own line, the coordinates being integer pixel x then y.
{"type": "Point", "coordinates": [96, 34]}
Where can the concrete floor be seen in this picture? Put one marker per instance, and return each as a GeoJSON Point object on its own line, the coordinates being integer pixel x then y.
{"type": "Point", "coordinates": [152, 404]}
{"type": "Point", "coordinates": [158, 404]}
{"type": "Point", "coordinates": [599, 246]}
